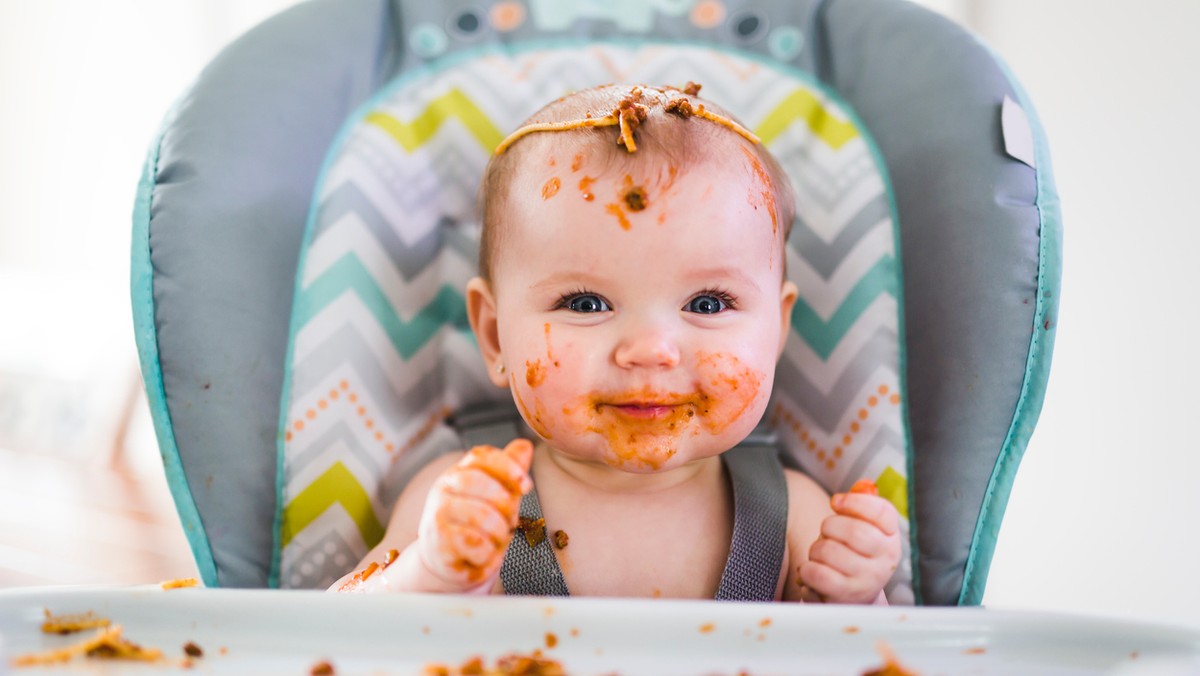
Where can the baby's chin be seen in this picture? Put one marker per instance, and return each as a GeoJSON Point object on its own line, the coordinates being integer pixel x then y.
{"type": "Point", "coordinates": [653, 458]}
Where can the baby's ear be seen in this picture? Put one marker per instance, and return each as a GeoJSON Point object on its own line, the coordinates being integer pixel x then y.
{"type": "Point", "coordinates": [787, 300]}
{"type": "Point", "coordinates": [481, 312]}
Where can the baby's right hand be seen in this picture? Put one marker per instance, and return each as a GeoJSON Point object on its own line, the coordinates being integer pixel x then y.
{"type": "Point", "coordinates": [470, 514]}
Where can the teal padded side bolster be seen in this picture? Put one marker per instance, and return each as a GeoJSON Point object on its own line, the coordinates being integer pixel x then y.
{"type": "Point", "coordinates": [142, 297]}
{"type": "Point", "coordinates": [1041, 347]}
{"type": "Point", "coordinates": [227, 205]}
{"type": "Point", "coordinates": [971, 235]}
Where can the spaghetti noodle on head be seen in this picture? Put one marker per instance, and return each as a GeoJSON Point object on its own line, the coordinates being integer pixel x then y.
{"type": "Point", "coordinates": [617, 128]}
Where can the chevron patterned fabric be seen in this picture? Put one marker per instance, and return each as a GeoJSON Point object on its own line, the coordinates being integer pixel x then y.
{"type": "Point", "coordinates": [381, 352]}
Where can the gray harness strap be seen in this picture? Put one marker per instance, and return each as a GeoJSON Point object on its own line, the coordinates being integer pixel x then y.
{"type": "Point", "coordinates": [531, 571]}
{"type": "Point", "coordinates": [760, 512]}
{"type": "Point", "coordinates": [760, 509]}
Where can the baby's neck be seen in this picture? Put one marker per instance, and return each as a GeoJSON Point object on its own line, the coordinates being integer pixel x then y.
{"type": "Point", "coordinates": [603, 478]}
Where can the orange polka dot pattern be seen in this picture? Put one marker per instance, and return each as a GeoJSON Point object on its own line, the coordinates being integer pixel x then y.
{"type": "Point", "coordinates": [829, 457]}
{"type": "Point", "coordinates": [344, 397]}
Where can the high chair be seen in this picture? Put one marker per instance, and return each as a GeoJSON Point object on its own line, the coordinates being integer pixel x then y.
{"type": "Point", "coordinates": [305, 226]}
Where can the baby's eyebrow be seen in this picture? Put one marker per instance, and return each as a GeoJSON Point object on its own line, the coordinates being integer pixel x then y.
{"type": "Point", "coordinates": [566, 277]}
{"type": "Point", "coordinates": [720, 273]}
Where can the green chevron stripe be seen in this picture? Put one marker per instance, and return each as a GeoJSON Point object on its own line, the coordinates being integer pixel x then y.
{"type": "Point", "coordinates": [802, 104]}
{"type": "Point", "coordinates": [454, 103]}
{"type": "Point", "coordinates": [448, 307]}
{"type": "Point", "coordinates": [893, 487]}
{"type": "Point", "coordinates": [823, 337]}
{"type": "Point", "coordinates": [336, 485]}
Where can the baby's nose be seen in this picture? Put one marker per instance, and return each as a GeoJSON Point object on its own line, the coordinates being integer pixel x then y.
{"type": "Point", "coordinates": [647, 347]}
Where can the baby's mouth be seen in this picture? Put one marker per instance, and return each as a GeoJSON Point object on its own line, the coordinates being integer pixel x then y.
{"type": "Point", "coordinates": [646, 410]}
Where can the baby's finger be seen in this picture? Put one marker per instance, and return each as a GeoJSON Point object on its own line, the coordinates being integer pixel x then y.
{"type": "Point", "coordinates": [870, 508]}
{"type": "Point", "coordinates": [468, 545]}
{"type": "Point", "coordinates": [521, 451]}
{"type": "Point", "coordinates": [839, 557]}
{"type": "Point", "coordinates": [862, 537]}
{"type": "Point", "coordinates": [475, 515]}
{"type": "Point", "coordinates": [501, 466]}
{"type": "Point", "coordinates": [470, 482]}
{"type": "Point", "coordinates": [458, 554]}
{"type": "Point", "coordinates": [822, 580]}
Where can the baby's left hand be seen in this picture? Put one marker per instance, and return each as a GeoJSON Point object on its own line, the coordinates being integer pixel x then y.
{"type": "Point", "coordinates": [857, 552]}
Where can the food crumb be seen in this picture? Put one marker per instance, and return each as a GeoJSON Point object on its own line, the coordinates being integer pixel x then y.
{"type": "Point", "coordinates": [472, 667]}
{"type": "Point", "coordinates": [224, 650]}
{"type": "Point", "coordinates": [574, 631]}
{"type": "Point", "coordinates": [551, 639]}
{"type": "Point", "coordinates": [69, 624]}
{"type": "Point", "coordinates": [533, 664]}
{"type": "Point", "coordinates": [850, 630]}
{"type": "Point", "coordinates": [975, 651]}
{"type": "Point", "coordinates": [891, 666]}
{"type": "Point", "coordinates": [635, 198]}
{"type": "Point", "coordinates": [707, 627]}
{"type": "Point", "coordinates": [764, 622]}
{"type": "Point", "coordinates": [561, 539]}
{"type": "Point", "coordinates": [533, 529]}
{"type": "Point", "coordinates": [322, 668]}
{"type": "Point", "coordinates": [180, 583]}
{"type": "Point", "coordinates": [192, 650]}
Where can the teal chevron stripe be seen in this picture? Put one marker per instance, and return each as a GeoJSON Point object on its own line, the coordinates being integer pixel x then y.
{"type": "Point", "coordinates": [823, 337]}
{"type": "Point", "coordinates": [348, 274]}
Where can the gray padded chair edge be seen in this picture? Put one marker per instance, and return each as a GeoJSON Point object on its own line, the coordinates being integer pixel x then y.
{"type": "Point", "coordinates": [978, 331]}
{"type": "Point", "coordinates": [296, 76]}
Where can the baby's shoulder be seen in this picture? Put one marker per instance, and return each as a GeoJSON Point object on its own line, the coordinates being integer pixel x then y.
{"type": "Point", "coordinates": [803, 489]}
{"type": "Point", "coordinates": [808, 505]}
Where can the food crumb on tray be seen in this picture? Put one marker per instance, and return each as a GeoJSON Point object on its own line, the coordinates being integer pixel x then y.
{"type": "Point", "coordinates": [512, 664]}
{"type": "Point", "coordinates": [891, 665]}
{"type": "Point", "coordinates": [105, 644]}
{"type": "Point", "coordinates": [180, 583]}
{"type": "Point", "coordinates": [69, 624]}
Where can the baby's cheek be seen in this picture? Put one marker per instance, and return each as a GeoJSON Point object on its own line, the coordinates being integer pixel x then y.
{"type": "Point", "coordinates": [546, 381]}
{"type": "Point", "coordinates": [728, 389]}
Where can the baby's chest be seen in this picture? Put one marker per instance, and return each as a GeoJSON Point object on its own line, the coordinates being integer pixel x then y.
{"type": "Point", "coordinates": [641, 554]}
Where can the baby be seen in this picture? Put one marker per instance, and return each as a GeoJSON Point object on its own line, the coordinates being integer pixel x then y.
{"type": "Point", "coordinates": [632, 296]}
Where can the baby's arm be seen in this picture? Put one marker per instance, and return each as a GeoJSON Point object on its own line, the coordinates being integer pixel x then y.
{"type": "Point", "coordinates": [451, 526]}
{"type": "Point", "coordinates": [852, 556]}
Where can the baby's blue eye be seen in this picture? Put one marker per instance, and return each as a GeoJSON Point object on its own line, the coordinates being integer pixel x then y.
{"type": "Point", "coordinates": [706, 305]}
{"type": "Point", "coordinates": [587, 303]}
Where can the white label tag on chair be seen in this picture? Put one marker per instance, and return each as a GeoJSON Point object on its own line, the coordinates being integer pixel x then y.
{"type": "Point", "coordinates": [1018, 137]}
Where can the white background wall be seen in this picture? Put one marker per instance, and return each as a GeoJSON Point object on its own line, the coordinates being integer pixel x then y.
{"type": "Point", "coordinates": [1103, 516]}
{"type": "Point", "coordinates": [1105, 513]}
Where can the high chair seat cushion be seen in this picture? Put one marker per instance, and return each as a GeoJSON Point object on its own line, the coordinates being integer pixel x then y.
{"type": "Point", "coordinates": [381, 354]}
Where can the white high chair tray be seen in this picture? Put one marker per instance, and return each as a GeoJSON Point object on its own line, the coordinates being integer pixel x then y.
{"type": "Point", "coordinates": [288, 632]}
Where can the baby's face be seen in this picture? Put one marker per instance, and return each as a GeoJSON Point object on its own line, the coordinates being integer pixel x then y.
{"type": "Point", "coordinates": [640, 315]}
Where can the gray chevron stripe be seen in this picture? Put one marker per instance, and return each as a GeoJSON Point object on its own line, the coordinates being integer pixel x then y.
{"type": "Point", "coordinates": [318, 565]}
{"type": "Point", "coordinates": [825, 258]}
{"type": "Point", "coordinates": [314, 449]}
{"type": "Point", "coordinates": [827, 182]}
{"type": "Point", "coordinates": [442, 440]}
{"type": "Point", "coordinates": [410, 261]}
{"type": "Point", "coordinates": [461, 239]}
{"type": "Point", "coordinates": [450, 162]}
{"type": "Point", "coordinates": [879, 351]}
{"type": "Point", "coordinates": [347, 346]}
{"type": "Point", "coordinates": [410, 184]}
{"type": "Point", "coordinates": [885, 437]}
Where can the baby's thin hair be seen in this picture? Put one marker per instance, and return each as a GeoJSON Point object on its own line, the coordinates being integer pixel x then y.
{"type": "Point", "coordinates": [681, 128]}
